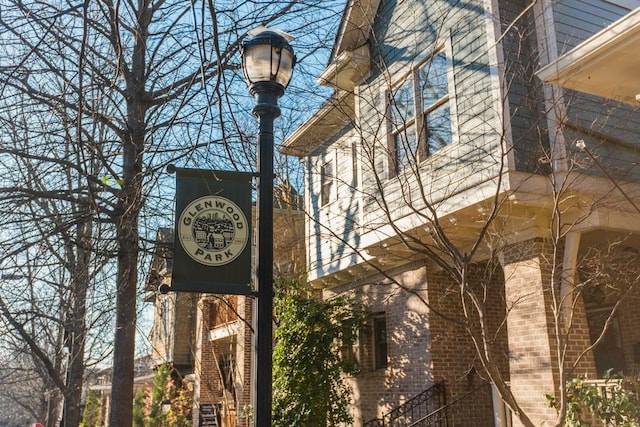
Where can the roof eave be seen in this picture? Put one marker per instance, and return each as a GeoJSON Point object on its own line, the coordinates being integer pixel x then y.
{"type": "Point", "coordinates": [333, 116]}
{"type": "Point", "coordinates": [355, 26]}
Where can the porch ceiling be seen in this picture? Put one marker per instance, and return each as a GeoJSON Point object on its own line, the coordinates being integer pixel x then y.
{"type": "Point", "coordinates": [610, 238]}
{"type": "Point", "coordinates": [607, 64]}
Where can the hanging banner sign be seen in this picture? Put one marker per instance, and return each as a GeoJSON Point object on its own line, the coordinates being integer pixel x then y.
{"type": "Point", "coordinates": [212, 249]}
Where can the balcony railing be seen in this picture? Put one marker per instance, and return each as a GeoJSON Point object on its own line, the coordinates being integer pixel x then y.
{"type": "Point", "coordinates": [606, 390]}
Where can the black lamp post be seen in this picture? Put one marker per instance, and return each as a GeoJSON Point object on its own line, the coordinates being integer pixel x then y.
{"type": "Point", "coordinates": [267, 62]}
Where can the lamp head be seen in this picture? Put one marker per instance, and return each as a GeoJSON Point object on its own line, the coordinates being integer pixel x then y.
{"type": "Point", "coordinates": [267, 59]}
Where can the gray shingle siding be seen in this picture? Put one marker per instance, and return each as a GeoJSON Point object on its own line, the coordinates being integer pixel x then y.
{"type": "Point", "coordinates": [404, 30]}
{"type": "Point", "coordinates": [577, 20]}
{"type": "Point", "coordinates": [610, 130]}
{"type": "Point", "coordinates": [526, 103]}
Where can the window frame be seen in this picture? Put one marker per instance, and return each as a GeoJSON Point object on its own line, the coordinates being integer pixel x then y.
{"type": "Point", "coordinates": [351, 354]}
{"type": "Point", "coordinates": [420, 112]}
{"type": "Point", "coordinates": [354, 165]}
{"type": "Point", "coordinates": [380, 347]}
{"type": "Point", "coordinates": [327, 181]}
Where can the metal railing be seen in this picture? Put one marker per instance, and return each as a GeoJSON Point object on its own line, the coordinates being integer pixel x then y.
{"type": "Point", "coordinates": [431, 409]}
{"type": "Point", "coordinates": [415, 409]}
{"type": "Point", "coordinates": [455, 413]}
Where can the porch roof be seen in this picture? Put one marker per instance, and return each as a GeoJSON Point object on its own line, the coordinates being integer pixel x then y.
{"type": "Point", "coordinates": [606, 64]}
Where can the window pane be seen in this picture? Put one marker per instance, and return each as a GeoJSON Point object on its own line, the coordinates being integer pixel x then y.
{"type": "Point", "coordinates": [402, 104]}
{"type": "Point", "coordinates": [433, 80]}
{"type": "Point", "coordinates": [354, 164]}
{"type": "Point", "coordinates": [326, 181]}
{"type": "Point", "coordinates": [380, 341]}
{"type": "Point", "coordinates": [438, 126]}
{"type": "Point", "coordinates": [406, 148]}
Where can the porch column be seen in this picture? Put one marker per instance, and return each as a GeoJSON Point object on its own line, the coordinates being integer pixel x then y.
{"type": "Point", "coordinates": [574, 315]}
{"type": "Point", "coordinates": [532, 348]}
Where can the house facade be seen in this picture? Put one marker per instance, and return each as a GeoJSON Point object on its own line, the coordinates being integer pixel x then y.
{"type": "Point", "coordinates": [488, 221]}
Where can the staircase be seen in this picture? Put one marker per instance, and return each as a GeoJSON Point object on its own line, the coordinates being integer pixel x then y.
{"type": "Point", "coordinates": [430, 409]}
{"type": "Point", "coordinates": [421, 407]}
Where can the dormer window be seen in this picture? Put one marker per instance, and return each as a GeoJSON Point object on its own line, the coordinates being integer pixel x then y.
{"type": "Point", "coordinates": [419, 114]}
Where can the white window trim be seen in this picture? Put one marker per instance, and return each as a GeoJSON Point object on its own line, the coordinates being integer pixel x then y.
{"type": "Point", "coordinates": [443, 44]}
{"type": "Point", "coordinates": [330, 156]}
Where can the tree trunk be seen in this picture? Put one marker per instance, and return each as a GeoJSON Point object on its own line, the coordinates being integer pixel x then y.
{"type": "Point", "coordinates": [126, 281]}
{"type": "Point", "coordinates": [72, 413]}
{"type": "Point", "coordinates": [127, 234]}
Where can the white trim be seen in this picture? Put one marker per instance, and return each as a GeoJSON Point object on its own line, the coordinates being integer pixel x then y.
{"type": "Point", "coordinates": [568, 276]}
{"type": "Point", "coordinates": [553, 96]}
{"type": "Point", "coordinates": [309, 194]}
{"type": "Point", "coordinates": [591, 48]}
{"type": "Point", "coordinates": [501, 412]}
{"type": "Point", "coordinates": [360, 147]}
{"type": "Point", "coordinates": [224, 331]}
{"type": "Point", "coordinates": [385, 139]}
{"type": "Point", "coordinates": [588, 66]}
{"type": "Point", "coordinates": [453, 92]}
{"type": "Point", "coordinates": [443, 44]}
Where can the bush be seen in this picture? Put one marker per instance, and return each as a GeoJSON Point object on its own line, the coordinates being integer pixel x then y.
{"type": "Point", "coordinates": [309, 387]}
{"type": "Point", "coordinates": [619, 406]}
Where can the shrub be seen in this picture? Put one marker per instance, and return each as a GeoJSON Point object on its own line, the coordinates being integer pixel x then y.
{"type": "Point", "coordinates": [619, 406]}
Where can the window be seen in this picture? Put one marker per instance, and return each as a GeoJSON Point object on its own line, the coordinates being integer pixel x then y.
{"type": "Point", "coordinates": [227, 366]}
{"type": "Point", "coordinates": [350, 349]}
{"type": "Point", "coordinates": [609, 353]}
{"type": "Point", "coordinates": [326, 182]}
{"type": "Point", "coordinates": [436, 116]}
{"type": "Point", "coordinates": [354, 164]}
{"type": "Point", "coordinates": [419, 114]}
{"type": "Point", "coordinates": [380, 341]}
{"type": "Point", "coordinates": [223, 310]}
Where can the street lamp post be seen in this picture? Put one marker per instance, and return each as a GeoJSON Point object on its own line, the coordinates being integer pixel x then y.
{"type": "Point", "coordinates": [267, 62]}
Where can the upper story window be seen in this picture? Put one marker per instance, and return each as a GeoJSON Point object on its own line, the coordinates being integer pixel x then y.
{"type": "Point", "coordinates": [326, 182]}
{"type": "Point", "coordinates": [419, 114]}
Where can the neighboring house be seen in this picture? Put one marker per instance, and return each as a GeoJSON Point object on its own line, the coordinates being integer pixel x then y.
{"type": "Point", "coordinates": [172, 337]}
{"type": "Point", "coordinates": [208, 337]}
{"type": "Point", "coordinates": [439, 126]}
{"type": "Point", "coordinates": [100, 381]}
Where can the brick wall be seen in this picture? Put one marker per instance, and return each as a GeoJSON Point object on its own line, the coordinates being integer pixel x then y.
{"type": "Point", "coordinates": [528, 270]}
{"type": "Point", "coordinates": [455, 358]}
{"type": "Point", "coordinates": [629, 323]}
{"type": "Point", "coordinates": [239, 342]}
{"type": "Point", "coordinates": [429, 341]}
{"type": "Point", "coordinates": [423, 347]}
{"type": "Point", "coordinates": [409, 370]}
{"type": "Point", "coordinates": [244, 356]}
{"type": "Point", "coordinates": [209, 380]}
